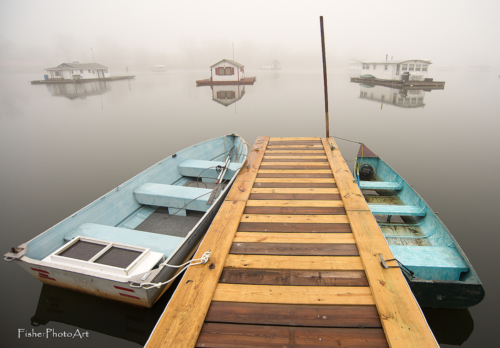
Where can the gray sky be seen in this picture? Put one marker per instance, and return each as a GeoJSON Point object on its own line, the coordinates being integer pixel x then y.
{"type": "Point", "coordinates": [195, 34]}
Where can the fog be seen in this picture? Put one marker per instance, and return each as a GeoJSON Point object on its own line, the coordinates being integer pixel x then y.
{"type": "Point", "coordinates": [195, 34]}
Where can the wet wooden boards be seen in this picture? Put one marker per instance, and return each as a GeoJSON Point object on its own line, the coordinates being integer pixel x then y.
{"type": "Point", "coordinates": [293, 263]}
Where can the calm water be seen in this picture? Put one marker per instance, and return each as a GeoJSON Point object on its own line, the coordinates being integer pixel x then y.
{"type": "Point", "coordinates": [61, 148]}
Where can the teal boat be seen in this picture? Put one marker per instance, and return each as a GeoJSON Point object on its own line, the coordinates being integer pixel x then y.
{"type": "Point", "coordinates": [436, 268]}
{"type": "Point", "coordinates": [128, 244]}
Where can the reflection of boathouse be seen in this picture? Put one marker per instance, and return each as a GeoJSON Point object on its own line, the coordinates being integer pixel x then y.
{"type": "Point", "coordinates": [78, 90]}
{"type": "Point", "coordinates": [227, 94]}
{"type": "Point", "coordinates": [413, 98]}
{"type": "Point", "coordinates": [227, 72]}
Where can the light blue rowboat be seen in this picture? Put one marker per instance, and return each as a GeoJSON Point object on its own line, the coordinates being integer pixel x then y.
{"type": "Point", "coordinates": [436, 268]}
{"type": "Point", "coordinates": [122, 245]}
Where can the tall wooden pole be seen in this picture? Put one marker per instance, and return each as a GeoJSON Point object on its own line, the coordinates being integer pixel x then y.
{"type": "Point", "coordinates": [324, 77]}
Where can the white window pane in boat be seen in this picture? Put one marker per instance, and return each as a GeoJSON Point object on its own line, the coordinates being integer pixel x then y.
{"type": "Point", "coordinates": [412, 67]}
{"type": "Point", "coordinates": [228, 71]}
{"type": "Point", "coordinates": [400, 100]}
{"type": "Point", "coordinates": [407, 101]}
{"type": "Point", "coordinates": [221, 71]}
{"type": "Point", "coordinates": [417, 67]}
{"type": "Point", "coordinates": [424, 67]}
{"type": "Point", "coordinates": [118, 257]}
{"type": "Point", "coordinates": [82, 250]}
{"type": "Point", "coordinates": [374, 67]}
{"type": "Point", "coordinates": [405, 67]}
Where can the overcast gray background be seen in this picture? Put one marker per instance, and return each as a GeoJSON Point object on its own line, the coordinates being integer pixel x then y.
{"type": "Point", "coordinates": [195, 34]}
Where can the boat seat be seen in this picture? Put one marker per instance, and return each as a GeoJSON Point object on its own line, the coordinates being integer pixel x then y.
{"type": "Point", "coordinates": [401, 210]}
{"type": "Point", "coordinates": [155, 242]}
{"type": "Point", "coordinates": [430, 262]}
{"type": "Point", "coordinates": [172, 196]}
{"type": "Point", "coordinates": [206, 169]}
{"type": "Point", "coordinates": [380, 185]}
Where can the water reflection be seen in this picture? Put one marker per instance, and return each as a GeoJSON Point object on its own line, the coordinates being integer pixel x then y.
{"type": "Point", "coordinates": [403, 98]}
{"type": "Point", "coordinates": [112, 318]}
{"type": "Point", "coordinates": [227, 94]}
{"type": "Point", "coordinates": [79, 90]}
{"type": "Point", "coordinates": [450, 326]}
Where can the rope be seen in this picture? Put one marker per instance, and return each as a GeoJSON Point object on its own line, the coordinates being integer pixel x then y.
{"type": "Point", "coordinates": [352, 141]}
{"type": "Point", "coordinates": [201, 261]}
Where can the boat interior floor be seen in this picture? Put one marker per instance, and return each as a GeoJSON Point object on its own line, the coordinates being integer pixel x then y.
{"type": "Point", "coordinates": [162, 222]}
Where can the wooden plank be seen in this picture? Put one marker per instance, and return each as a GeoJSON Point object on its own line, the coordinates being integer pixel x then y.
{"type": "Point", "coordinates": [270, 237]}
{"type": "Point", "coordinates": [287, 227]}
{"type": "Point", "coordinates": [294, 143]}
{"type": "Point", "coordinates": [293, 203]}
{"type": "Point", "coordinates": [244, 182]}
{"type": "Point", "coordinates": [217, 335]}
{"type": "Point", "coordinates": [294, 160]}
{"type": "Point", "coordinates": [315, 147]}
{"type": "Point", "coordinates": [182, 320]}
{"type": "Point", "coordinates": [294, 249]}
{"type": "Point", "coordinates": [318, 295]}
{"type": "Point", "coordinates": [298, 152]}
{"type": "Point", "coordinates": [310, 165]}
{"type": "Point", "coordinates": [296, 196]}
{"type": "Point", "coordinates": [317, 263]}
{"type": "Point", "coordinates": [292, 185]}
{"type": "Point", "coordinates": [264, 165]}
{"type": "Point", "coordinates": [296, 219]}
{"type": "Point", "coordinates": [297, 180]}
{"type": "Point", "coordinates": [286, 277]}
{"type": "Point", "coordinates": [294, 139]}
{"type": "Point", "coordinates": [293, 315]}
{"type": "Point", "coordinates": [403, 321]}
{"type": "Point", "coordinates": [295, 190]}
{"type": "Point", "coordinates": [296, 210]}
{"type": "Point", "coordinates": [282, 171]}
{"type": "Point", "coordinates": [302, 158]}
{"type": "Point", "coordinates": [276, 175]}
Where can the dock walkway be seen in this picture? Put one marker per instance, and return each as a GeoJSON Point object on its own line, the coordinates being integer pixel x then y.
{"type": "Point", "coordinates": [294, 262]}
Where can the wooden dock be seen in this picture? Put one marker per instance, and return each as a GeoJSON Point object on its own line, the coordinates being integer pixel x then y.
{"type": "Point", "coordinates": [294, 262]}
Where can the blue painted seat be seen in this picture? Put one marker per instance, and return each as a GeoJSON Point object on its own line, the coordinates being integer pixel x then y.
{"type": "Point", "coordinates": [430, 262]}
{"type": "Point", "coordinates": [155, 242]}
{"type": "Point", "coordinates": [191, 198]}
{"type": "Point", "coordinates": [401, 210]}
{"type": "Point", "coordinates": [380, 185]}
{"type": "Point", "coordinates": [206, 169]}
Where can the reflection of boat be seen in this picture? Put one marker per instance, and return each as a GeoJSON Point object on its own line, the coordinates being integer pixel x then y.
{"type": "Point", "coordinates": [159, 68]}
{"type": "Point", "coordinates": [441, 275]}
{"type": "Point", "coordinates": [227, 94]}
{"type": "Point", "coordinates": [450, 326]}
{"type": "Point", "coordinates": [403, 98]}
{"type": "Point", "coordinates": [78, 90]}
{"type": "Point", "coordinates": [112, 318]}
{"type": "Point", "coordinates": [130, 235]}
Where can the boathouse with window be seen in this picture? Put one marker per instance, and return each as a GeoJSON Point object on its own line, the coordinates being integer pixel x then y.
{"type": "Point", "coordinates": [227, 71]}
{"type": "Point", "coordinates": [415, 69]}
{"type": "Point", "coordinates": [76, 71]}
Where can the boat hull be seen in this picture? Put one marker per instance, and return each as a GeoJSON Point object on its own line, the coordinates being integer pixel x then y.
{"type": "Point", "coordinates": [443, 275]}
{"type": "Point", "coordinates": [115, 220]}
{"type": "Point", "coordinates": [437, 294]}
